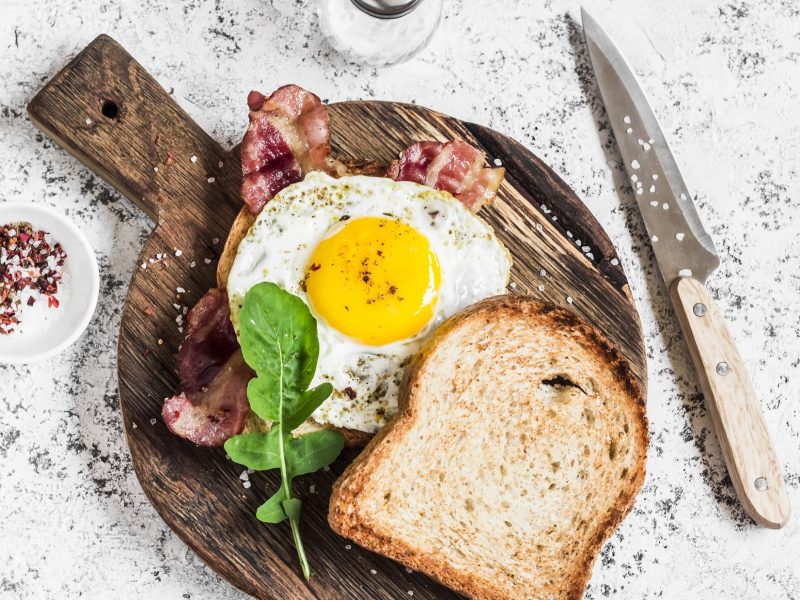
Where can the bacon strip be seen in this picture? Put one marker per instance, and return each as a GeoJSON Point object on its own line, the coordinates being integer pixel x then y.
{"type": "Point", "coordinates": [289, 135]}
{"type": "Point", "coordinates": [211, 404]}
{"type": "Point", "coordinates": [456, 167]}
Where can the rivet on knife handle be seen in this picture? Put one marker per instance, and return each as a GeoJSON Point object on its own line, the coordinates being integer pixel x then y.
{"type": "Point", "coordinates": [746, 445]}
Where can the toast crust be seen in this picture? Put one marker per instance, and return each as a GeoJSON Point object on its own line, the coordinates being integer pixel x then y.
{"type": "Point", "coordinates": [343, 515]}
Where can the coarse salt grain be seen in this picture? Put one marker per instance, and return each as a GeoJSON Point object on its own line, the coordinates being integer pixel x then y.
{"type": "Point", "coordinates": [347, 546]}
{"type": "Point", "coordinates": [498, 162]}
{"type": "Point", "coordinates": [215, 240]}
{"type": "Point", "coordinates": [153, 421]}
{"type": "Point", "coordinates": [88, 121]}
{"type": "Point", "coordinates": [194, 159]}
{"type": "Point", "coordinates": [244, 475]}
{"type": "Point", "coordinates": [207, 260]}
{"type": "Point", "coordinates": [542, 272]}
{"type": "Point", "coordinates": [220, 164]}
{"type": "Point", "coordinates": [144, 265]}
{"type": "Point", "coordinates": [373, 571]}
{"type": "Point", "coordinates": [614, 261]}
{"type": "Point", "coordinates": [246, 485]}
{"type": "Point", "coordinates": [180, 290]}
{"type": "Point", "coordinates": [193, 264]}
{"type": "Point", "coordinates": [513, 285]}
{"type": "Point", "coordinates": [312, 489]}
{"type": "Point", "coordinates": [540, 288]}
{"type": "Point", "coordinates": [178, 252]}
{"type": "Point", "coordinates": [135, 426]}
{"type": "Point", "coordinates": [212, 179]}
{"type": "Point", "coordinates": [569, 299]}
{"type": "Point", "coordinates": [176, 306]}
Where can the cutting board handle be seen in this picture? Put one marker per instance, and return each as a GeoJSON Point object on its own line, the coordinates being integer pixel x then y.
{"type": "Point", "coordinates": [107, 111]}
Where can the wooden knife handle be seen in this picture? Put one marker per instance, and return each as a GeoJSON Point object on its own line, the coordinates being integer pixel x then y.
{"type": "Point", "coordinates": [746, 445]}
{"type": "Point", "coordinates": [108, 111]}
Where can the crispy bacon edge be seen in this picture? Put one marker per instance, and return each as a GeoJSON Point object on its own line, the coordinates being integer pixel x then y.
{"type": "Point", "coordinates": [288, 136]}
{"type": "Point", "coordinates": [211, 404]}
{"type": "Point", "coordinates": [456, 167]}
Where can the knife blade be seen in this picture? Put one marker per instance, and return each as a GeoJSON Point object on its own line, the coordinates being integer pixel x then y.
{"type": "Point", "coordinates": [686, 257]}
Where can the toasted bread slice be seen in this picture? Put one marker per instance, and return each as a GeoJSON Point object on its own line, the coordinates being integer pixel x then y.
{"type": "Point", "coordinates": [241, 225]}
{"type": "Point", "coordinates": [519, 448]}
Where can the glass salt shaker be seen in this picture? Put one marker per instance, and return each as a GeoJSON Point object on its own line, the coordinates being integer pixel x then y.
{"type": "Point", "coordinates": [379, 32]}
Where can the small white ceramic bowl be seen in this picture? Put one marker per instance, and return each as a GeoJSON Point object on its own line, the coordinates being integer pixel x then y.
{"type": "Point", "coordinates": [82, 285]}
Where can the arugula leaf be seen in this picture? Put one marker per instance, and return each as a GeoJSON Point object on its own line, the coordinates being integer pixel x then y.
{"type": "Point", "coordinates": [292, 507]}
{"type": "Point", "coordinates": [308, 403]}
{"type": "Point", "coordinates": [258, 451]}
{"type": "Point", "coordinates": [272, 510]}
{"type": "Point", "coordinates": [313, 451]}
{"type": "Point", "coordinates": [279, 342]}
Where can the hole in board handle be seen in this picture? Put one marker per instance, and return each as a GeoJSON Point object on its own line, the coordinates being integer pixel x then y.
{"type": "Point", "coordinates": [110, 109]}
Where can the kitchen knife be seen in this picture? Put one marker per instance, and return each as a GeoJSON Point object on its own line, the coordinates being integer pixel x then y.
{"type": "Point", "coordinates": [686, 257]}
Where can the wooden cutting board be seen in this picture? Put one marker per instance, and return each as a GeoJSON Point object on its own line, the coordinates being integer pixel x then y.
{"type": "Point", "coordinates": [111, 114]}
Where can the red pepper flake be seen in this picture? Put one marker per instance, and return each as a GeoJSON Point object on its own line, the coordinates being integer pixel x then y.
{"type": "Point", "coordinates": [170, 160]}
{"type": "Point", "coordinates": [29, 262]}
{"type": "Point", "coordinates": [149, 311]}
{"type": "Point", "coordinates": [351, 393]}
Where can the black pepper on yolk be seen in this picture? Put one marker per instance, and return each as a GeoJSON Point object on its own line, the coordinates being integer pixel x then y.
{"type": "Point", "coordinates": [375, 280]}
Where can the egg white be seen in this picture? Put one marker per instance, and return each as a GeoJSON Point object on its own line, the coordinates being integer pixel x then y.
{"type": "Point", "coordinates": [474, 265]}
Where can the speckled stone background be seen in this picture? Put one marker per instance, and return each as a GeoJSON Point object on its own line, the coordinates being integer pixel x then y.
{"type": "Point", "coordinates": [724, 79]}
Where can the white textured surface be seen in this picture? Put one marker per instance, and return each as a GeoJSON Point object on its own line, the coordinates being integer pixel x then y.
{"type": "Point", "coordinates": [725, 81]}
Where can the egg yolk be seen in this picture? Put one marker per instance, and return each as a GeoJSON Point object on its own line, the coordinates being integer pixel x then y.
{"type": "Point", "coordinates": [375, 280]}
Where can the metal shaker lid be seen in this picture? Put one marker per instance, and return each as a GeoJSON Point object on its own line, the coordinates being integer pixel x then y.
{"type": "Point", "coordinates": [387, 9]}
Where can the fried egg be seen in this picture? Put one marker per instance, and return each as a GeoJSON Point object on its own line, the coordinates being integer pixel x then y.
{"type": "Point", "coordinates": [381, 264]}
